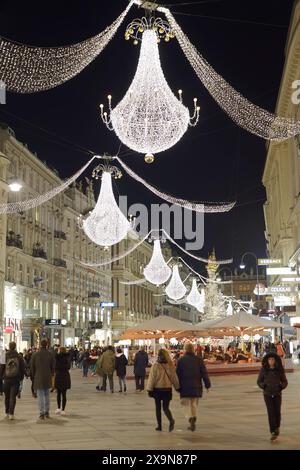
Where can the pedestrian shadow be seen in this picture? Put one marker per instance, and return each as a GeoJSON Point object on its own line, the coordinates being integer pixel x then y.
{"type": "Point", "coordinates": [55, 421]}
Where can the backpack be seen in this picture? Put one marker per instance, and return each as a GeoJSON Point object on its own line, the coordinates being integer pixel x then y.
{"type": "Point", "coordinates": [12, 367]}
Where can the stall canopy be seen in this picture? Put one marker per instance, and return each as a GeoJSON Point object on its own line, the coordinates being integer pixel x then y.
{"type": "Point", "coordinates": [165, 326]}
{"type": "Point", "coordinates": [238, 324]}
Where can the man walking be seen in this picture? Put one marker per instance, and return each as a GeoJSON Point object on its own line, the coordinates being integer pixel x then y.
{"type": "Point", "coordinates": [107, 364]}
{"type": "Point", "coordinates": [2, 367]}
{"type": "Point", "coordinates": [140, 364]}
{"type": "Point", "coordinates": [191, 372]}
{"type": "Point", "coordinates": [42, 369]}
{"type": "Point", "coordinates": [13, 374]}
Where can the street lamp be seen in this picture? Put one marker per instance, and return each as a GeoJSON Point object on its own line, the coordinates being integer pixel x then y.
{"type": "Point", "coordinates": [242, 266]}
{"type": "Point", "coordinates": [219, 279]}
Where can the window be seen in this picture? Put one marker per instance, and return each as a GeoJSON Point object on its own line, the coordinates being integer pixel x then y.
{"type": "Point", "coordinates": [69, 312]}
{"type": "Point", "coordinates": [83, 314]}
{"type": "Point", "coordinates": [77, 313]}
{"type": "Point", "coordinates": [28, 276]}
{"type": "Point", "coordinates": [21, 273]}
{"type": "Point", "coordinates": [55, 311]}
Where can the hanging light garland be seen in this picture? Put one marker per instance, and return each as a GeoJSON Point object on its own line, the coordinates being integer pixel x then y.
{"type": "Point", "coordinates": [175, 290]}
{"type": "Point", "coordinates": [28, 69]}
{"type": "Point", "coordinates": [150, 118]}
{"type": "Point", "coordinates": [194, 297]}
{"type": "Point", "coordinates": [106, 225]}
{"type": "Point", "coordinates": [245, 114]}
{"type": "Point", "coordinates": [157, 271]}
{"type": "Point", "coordinates": [209, 207]}
{"type": "Point", "coordinates": [13, 207]}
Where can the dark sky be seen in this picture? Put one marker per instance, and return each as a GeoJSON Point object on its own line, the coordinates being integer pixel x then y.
{"type": "Point", "coordinates": [214, 161]}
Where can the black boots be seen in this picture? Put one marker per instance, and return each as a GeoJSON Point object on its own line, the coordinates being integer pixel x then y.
{"type": "Point", "coordinates": [192, 427]}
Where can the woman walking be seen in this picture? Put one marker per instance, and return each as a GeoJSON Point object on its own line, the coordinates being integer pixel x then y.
{"type": "Point", "coordinates": [272, 381]}
{"type": "Point", "coordinates": [62, 379]}
{"type": "Point", "coordinates": [121, 363]}
{"type": "Point", "coordinates": [161, 378]}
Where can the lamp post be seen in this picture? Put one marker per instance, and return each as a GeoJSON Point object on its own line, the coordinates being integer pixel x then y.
{"type": "Point", "coordinates": [242, 266]}
{"type": "Point", "coordinates": [230, 270]}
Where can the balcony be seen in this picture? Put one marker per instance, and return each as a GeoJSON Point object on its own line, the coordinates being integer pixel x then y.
{"type": "Point", "coordinates": [14, 240]}
{"type": "Point", "coordinates": [60, 263]}
{"type": "Point", "coordinates": [94, 295]}
{"type": "Point", "coordinates": [39, 252]}
{"type": "Point", "coordinates": [59, 234]}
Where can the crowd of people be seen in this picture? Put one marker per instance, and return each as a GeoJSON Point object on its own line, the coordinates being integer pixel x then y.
{"type": "Point", "coordinates": [48, 369]}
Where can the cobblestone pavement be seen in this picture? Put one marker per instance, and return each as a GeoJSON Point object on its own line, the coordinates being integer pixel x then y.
{"type": "Point", "coordinates": [231, 416]}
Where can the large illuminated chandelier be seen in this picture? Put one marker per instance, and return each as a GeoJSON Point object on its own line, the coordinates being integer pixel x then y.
{"type": "Point", "coordinates": [150, 118]}
{"type": "Point", "coordinates": [157, 271]}
{"type": "Point", "coordinates": [175, 290]}
{"type": "Point", "coordinates": [106, 225]}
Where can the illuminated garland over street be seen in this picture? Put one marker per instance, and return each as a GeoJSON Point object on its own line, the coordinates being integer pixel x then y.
{"type": "Point", "coordinates": [194, 206]}
{"type": "Point", "coordinates": [28, 69]}
{"type": "Point", "coordinates": [13, 207]}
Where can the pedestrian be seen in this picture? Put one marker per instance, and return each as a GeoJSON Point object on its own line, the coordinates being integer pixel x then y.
{"type": "Point", "coordinates": [141, 361]}
{"type": "Point", "coordinates": [62, 379]}
{"type": "Point", "coordinates": [21, 357]}
{"type": "Point", "coordinates": [2, 367]}
{"type": "Point", "coordinates": [42, 370]}
{"type": "Point", "coordinates": [159, 386]}
{"type": "Point", "coordinates": [85, 363]}
{"type": "Point", "coordinates": [191, 371]}
{"type": "Point", "coordinates": [121, 363]}
{"type": "Point", "coordinates": [28, 357]}
{"type": "Point", "coordinates": [13, 374]}
{"type": "Point", "coordinates": [107, 366]}
{"type": "Point", "coordinates": [272, 380]}
{"type": "Point", "coordinates": [279, 348]}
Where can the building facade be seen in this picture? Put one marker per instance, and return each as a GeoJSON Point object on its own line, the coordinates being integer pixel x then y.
{"type": "Point", "coordinates": [41, 253]}
{"type": "Point", "coordinates": [281, 176]}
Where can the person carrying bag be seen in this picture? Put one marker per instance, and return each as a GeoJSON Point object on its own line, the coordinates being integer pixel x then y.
{"type": "Point", "coordinates": [159, 386]}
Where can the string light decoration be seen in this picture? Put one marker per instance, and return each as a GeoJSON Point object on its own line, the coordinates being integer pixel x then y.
{"type": "Point", "coordinates": [157, 271]}
{"type": "Point", "coordinates": [137, 27]}
{"type": "Point", "coordinates": [149, 119]}
{"type": "Point", "coordinates": [13, 207]}
{"type": "Point", "coordinates": [194, 296]}
{"type": "Point", "coordinates": [175, 290]}
{"type": "Point", "coordinates": [29, 69]}
{"type": "Point", "coordinates": [106, 225]}
{"type": "Point", "coordinates": [209, 207]}
{"type": "Point", "coordinates": [245, 114]}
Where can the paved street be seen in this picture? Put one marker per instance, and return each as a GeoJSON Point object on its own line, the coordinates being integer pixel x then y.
{"type": "Point", "coordinates": [231, 416]}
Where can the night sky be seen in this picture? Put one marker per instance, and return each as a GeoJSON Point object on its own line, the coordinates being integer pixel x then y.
{"type": "Point", "coordinates": [216, 161]}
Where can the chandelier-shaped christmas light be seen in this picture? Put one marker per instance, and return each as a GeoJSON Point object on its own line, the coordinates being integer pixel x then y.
{"type": "Point", "coordinates": [200, 306]}
{"type": "Point", "coordinates": [150, 118]}
{"type": "Point", "coordinates": [175, 289]}
{"type": "Point", "coordinates": [157, 271]}
{"type": "Point", "coordinates": [106, 225]}
{"type": "Point", "coordinates": [194, 297]}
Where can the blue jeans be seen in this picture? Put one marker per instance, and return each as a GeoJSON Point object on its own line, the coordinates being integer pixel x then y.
{"type": "Point", "coordinates": [43, 396]}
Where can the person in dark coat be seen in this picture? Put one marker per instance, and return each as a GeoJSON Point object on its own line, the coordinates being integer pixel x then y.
{"type": "Point", "coordinates": [120, 364]}
{"type": "Point", "coordinates": [85, 363]}
{"type": "Point", "coordinates": [272, 380]}
{"type": "Point", "coordinates": [191, 371]}
{"type": "Point", "coordinates": [62, 381]}
{"type": "Point", "coordinates": [42, 366]}
{"type": "Point", "coordinates": [140, 364]}
{"type": "Point", "coordinates": [13, 374]}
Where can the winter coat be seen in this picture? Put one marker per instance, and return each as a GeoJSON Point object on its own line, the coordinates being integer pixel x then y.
{"type": "Point", "coordinates": [42, 366]}
{"type": "Point", "coordinates": [191, 371]}
{"type": "Point", "coordinates": [162, 376]}
{"type": "Point", "coordinates": [140, 363]}
{"type": "Point", "coordinates": [62, 375]}
{"type": "Point", "coordinates": [121, 363]}
{"type": "Point", "coordinates": [21, 372]}
{"type": "Point", "coordinates": [272, 381]}
{"type": "Point", "coordinates": [107, 362]}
